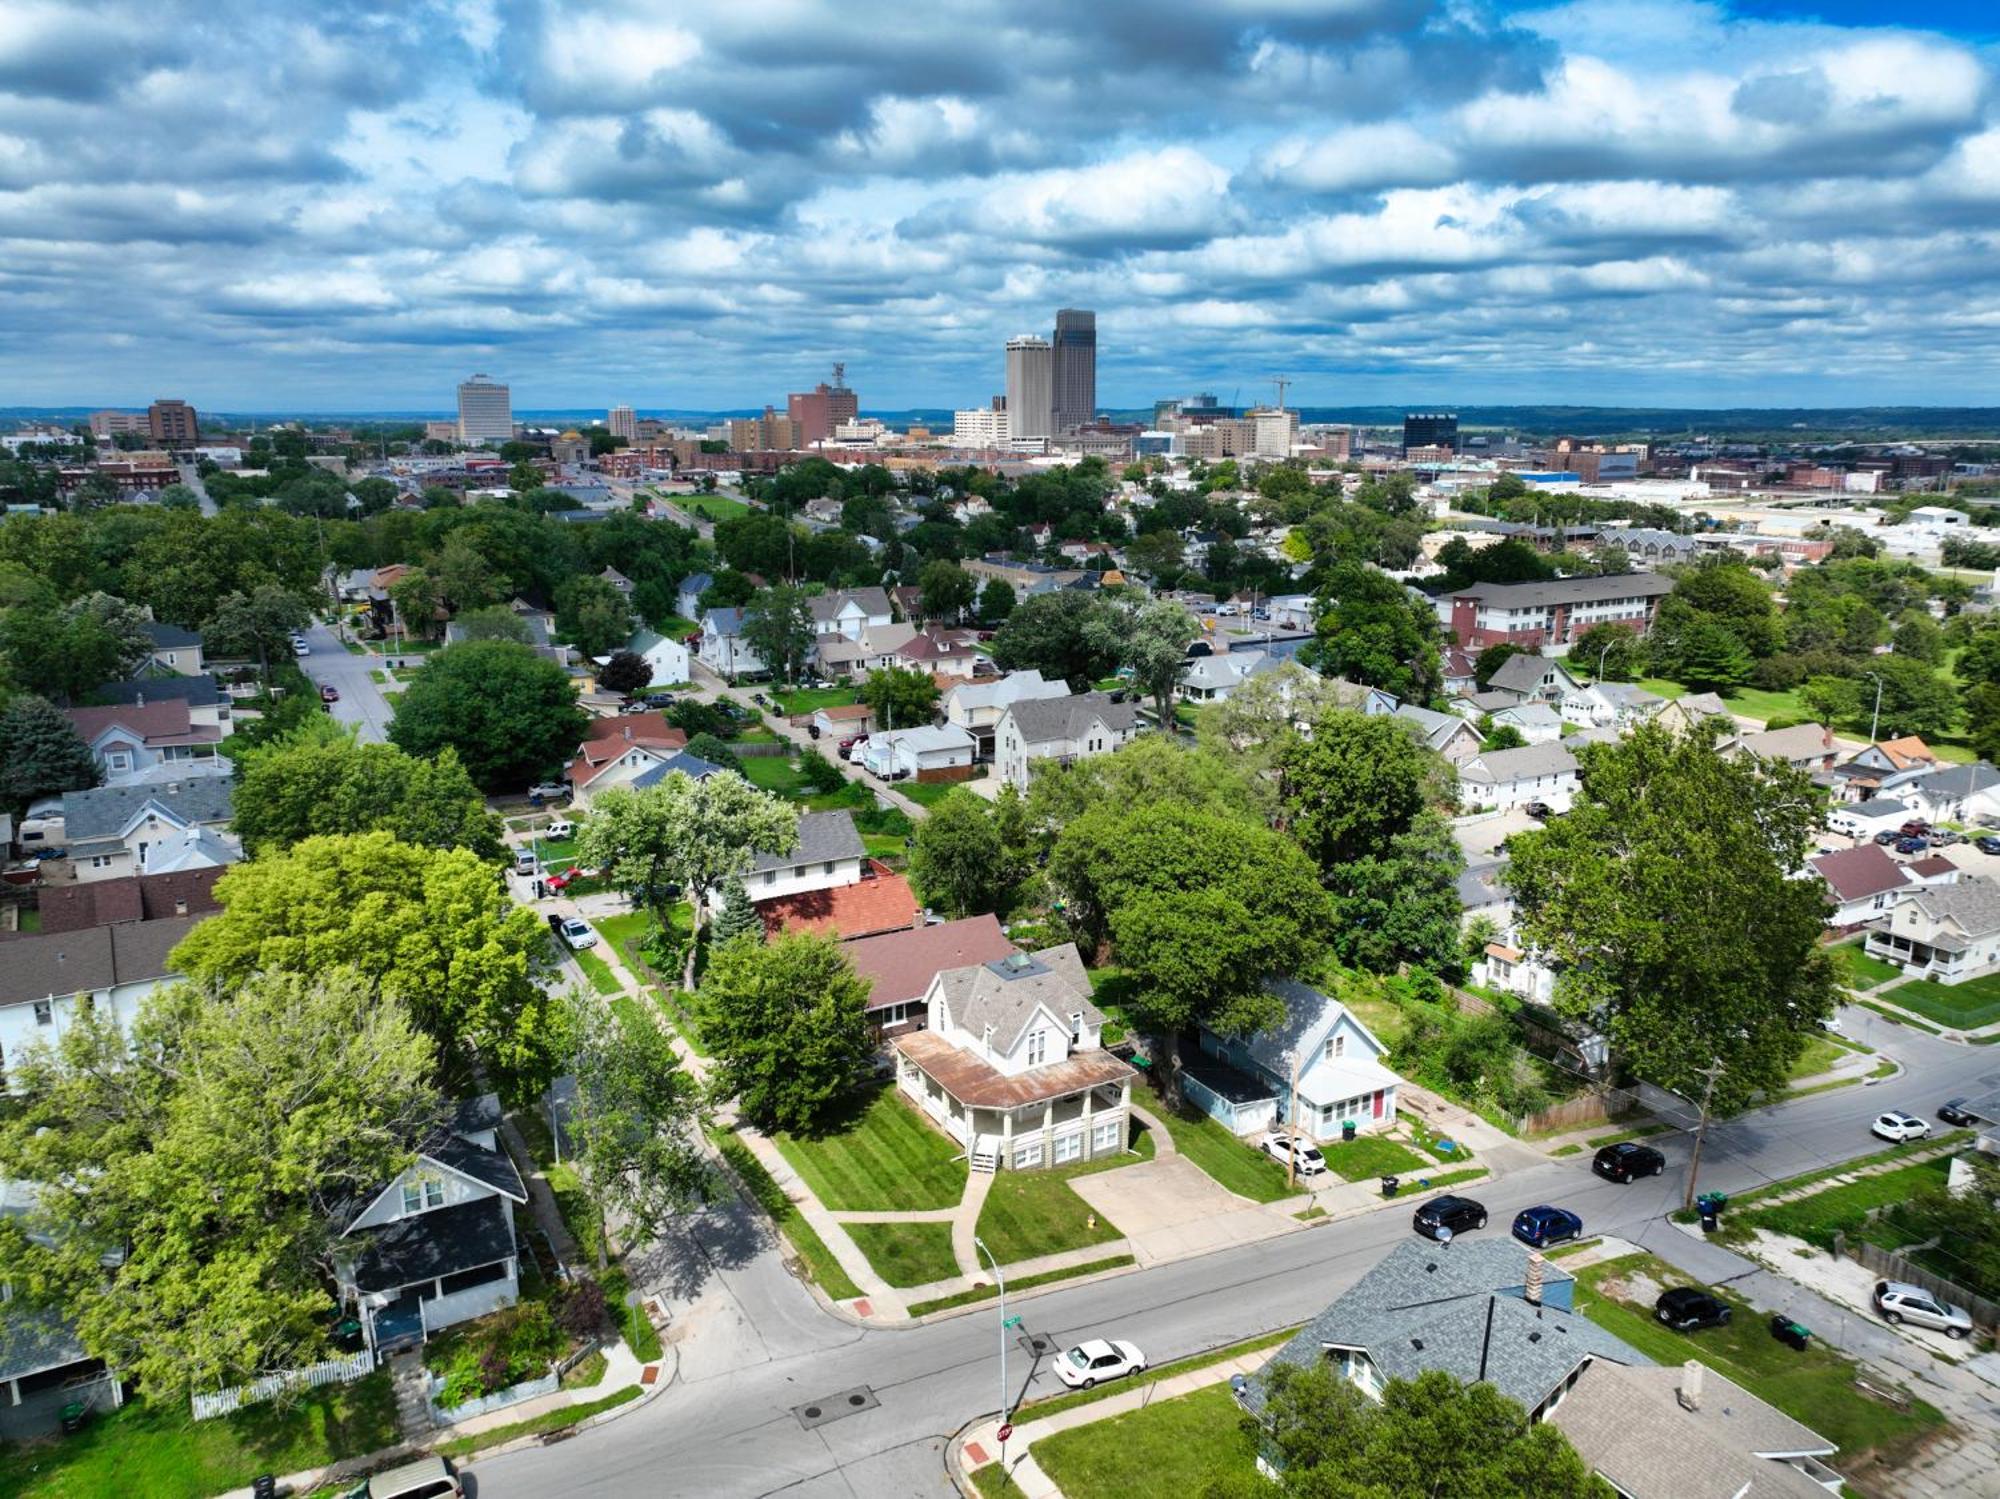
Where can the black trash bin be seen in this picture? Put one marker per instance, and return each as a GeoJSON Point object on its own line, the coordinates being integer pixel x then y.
{"type": "Point", "coordinates": [73, 1416]}
{"type": "Point", "coordinates": [264, 1486]}
{"type": "Point", "coordinates": [1389, 1185]}
{"type": "Point", "coordinates": [1347, 1131]}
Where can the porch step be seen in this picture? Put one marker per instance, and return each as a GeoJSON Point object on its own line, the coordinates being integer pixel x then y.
{"type": "Point", "coordinates": [985, 1160]}
{"type": "Point", "coordinates": [412, 1390]}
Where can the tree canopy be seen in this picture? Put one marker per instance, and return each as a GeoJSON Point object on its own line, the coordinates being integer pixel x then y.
{"type": "Point", "coordinates": [787, 1022]}
{"type": "Point", "coordinates": [959, 862]}
{"type": "Point", "coordinates": [44, 752]}
{"type": "Point", "coordinates": [1050, 633]}
{"type": "Point", "coordinates": [901, 697]}
{"type": "Point", "coordinates": [1373, 632]}
{"type": "Point", "coordinates": [511, 715]}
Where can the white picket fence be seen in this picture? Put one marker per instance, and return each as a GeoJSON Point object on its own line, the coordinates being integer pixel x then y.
{"type": "Point", "coordinates": [331, 1371]}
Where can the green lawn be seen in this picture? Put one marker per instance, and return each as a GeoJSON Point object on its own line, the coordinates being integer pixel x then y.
{"type": "Point", "coordinates": [1857, 969]}
{"type": "Point", "coordinates": [1023, 1283]}
{"type": "Point", "coordinates": [1032, 1213]}
{"type": "Point", "coordinates": [878, 1156]}
{"type": "Point", "coordinates": [906, 1254]}
{"type": "Point", "coordinates": [163, 1454]}
{"type": "Point", "coordinates": [1816, 1386]}
{"type": "Point", "coordinates": [928, 794]}
{"type": "Point", "coordinates": [1963, 1006]}
{"type": "Point", "coordinates": [776, 775]}
{"type": "Point", "coordinates": [602, 979]}
{"type": "Point", "coordinates": [1177, 1446]}
{"type": "Point", "coordinates": [1749, 702]}
{"type": "Point", "coordinates": [709, 506]}
{"type": "Point", "coordinates": [1844, 1209]}
{"type": "Point", "coordinates": [1239, 1167]}
{"type": "Point", "coordinates": [812, 699]}
{"type": "Point", "coordinates": [820, 1265]}
{"type": "Point", "coordinates": [1372, 1155]}
{"type": "Point", "coordinates": [1819, 1056]}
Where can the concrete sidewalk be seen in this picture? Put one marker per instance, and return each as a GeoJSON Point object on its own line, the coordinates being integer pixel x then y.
{"type": "Point", "coordinates": [884, 1304]}
{"type": "Point", "coordinates": [982, 1444]}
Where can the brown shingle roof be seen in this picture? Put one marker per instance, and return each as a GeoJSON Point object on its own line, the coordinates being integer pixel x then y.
{"type": "Point", "coordinates": [901, 965]}
{"type": "Point", "coordinates": [138, 897]}
{"type": "Point", "coordinates": [978, 1084]}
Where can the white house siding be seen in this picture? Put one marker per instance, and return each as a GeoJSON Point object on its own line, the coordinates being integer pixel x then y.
{"type": "Point", "coordinates": [388, 1208]}
{"type": "Point", "coordinates": [21, 1024]}
{"type": "Point", "coordinates": [476, 1301]}
{"type": "Point", "coordinates": [670, 663]}
{"type": "Point", "coordinates": [771, 884]}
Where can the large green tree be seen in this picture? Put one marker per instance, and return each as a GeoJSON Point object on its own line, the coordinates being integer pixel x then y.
{"type": "Point", "coordinates": [1668, 901]}
{"type": "Point", "coordinates": [946, 591]}
{"type": "Point", "coordinates": [511, 715]}
{"type": "Point", "coordinates": [778, 628]}
{"type": "Point", "coordinates": [1429, 1436]}
{"type": "Point", "coordinates": [44, 752]}
{"type": "Point", "coordinates": [1372, 632]}
{"type": "Point", "coordinates": [1050, 632]}
{"type": "Point", "coordinates": [258, 624]}
{"type": "Point", "coordinates": [959, 863]}
{"type": "Point", "coordinates": [1152, 639]}
{"type": "Point", "coordinates": [593, 615]}
{"type": "Point", "coordinates": [428, 927]}
{"type": "Point", "coordinates": [787, 1022]}
{"type": "Point", "coordinates": [901, 697]}
{"type": "Point", "coordinates": [320, 780]}
{"type": "Point", "coordinates": [191, 1177]}
{"type": "Point", "coordinates": [633, 1129]}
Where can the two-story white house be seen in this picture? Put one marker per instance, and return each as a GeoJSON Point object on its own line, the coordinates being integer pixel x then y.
{"type": "Point", "coordinates": [1954, 793]}
{"type": "Point", "coordinates": [722, 649]}
{"type": "Point", "coordinates": [436, 1245]}
{"type": "Point", "coordinates": [1011, 1064]}
{"type": "Point", "coordinates": [47, 981]}
{"type": "Point", "coordinates": [976, 707]}
{"type": "Point", "coordinates": [669, 659]}
{"type": "Point", "coordinates": [1503, 779]}
{"type": "Point", "coordinates": [849, 612]}
{"type": "Point", "coordinates": [829, 853]}
{"type": "Point", "coordinates": [1946, 933]}
{"type": "Point", "coordinates": [149, 827]}
{"type": "Point", "coordinates": [1247, 1082]}
{"type": "Point", "coordinates": [1609, 705]}
{"type": "Point", "coordinates": [1061, 729]}
{"type": "Point", "coordinates": [687, 601]}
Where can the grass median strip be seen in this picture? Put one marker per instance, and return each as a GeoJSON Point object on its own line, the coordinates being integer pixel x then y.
{"type": "Point", "coordinates": [554, 1420]}
{"type": "Point", "coordinates": [1034, 1410]}
{"type": "Point", "coordinates": [1898, 1017]}
{"type": "Point", "coordinates": [1024, 1283]}
{"type": "Point", "coordinates": [811, 1249]}
{"type": "Point", "coordinates": [602, 979]}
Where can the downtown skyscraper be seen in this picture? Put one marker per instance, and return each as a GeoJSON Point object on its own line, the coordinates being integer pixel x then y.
{"type": "Point", "coordinates": [1075, 368]}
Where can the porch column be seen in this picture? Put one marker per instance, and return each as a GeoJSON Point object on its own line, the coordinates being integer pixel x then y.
{"type": "Point", "coordinates": [1049, 1131]}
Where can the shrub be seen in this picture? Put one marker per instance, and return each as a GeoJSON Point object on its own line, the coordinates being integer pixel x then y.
{"type": "Point", "coordinates": [581, 1310]}
{"type": "Point", "coordinates": [820, 772]}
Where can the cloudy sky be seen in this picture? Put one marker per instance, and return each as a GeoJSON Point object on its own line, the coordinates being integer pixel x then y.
{"type": "Point", "coordinates": [265, 204]}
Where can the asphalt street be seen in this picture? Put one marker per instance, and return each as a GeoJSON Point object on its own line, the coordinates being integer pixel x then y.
{"type": "Point", "coordinates": [361, 699]}
{"type": "Point", "coordinates": [761, 1347]}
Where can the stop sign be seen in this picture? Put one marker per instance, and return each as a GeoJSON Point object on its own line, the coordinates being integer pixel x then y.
{"type": "Point", "coordinates": [1006, 1431]}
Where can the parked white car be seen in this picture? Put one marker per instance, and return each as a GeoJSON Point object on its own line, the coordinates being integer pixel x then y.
{"type": "Point", "coordinates": [562, 827]}
{"type": "Point", "coordinates": [549, 790]}
{"type": "Point", "coordinates": [1089, 1364]}
{"type": "Point", "coordinates": [1310, 1162]}
{"type": "Point", "coordinates": [1898, 1301]}
{"type": "Point", "coordinates": [578, 934]}
{"type": "Point", "coordinates": [1898, 1126]}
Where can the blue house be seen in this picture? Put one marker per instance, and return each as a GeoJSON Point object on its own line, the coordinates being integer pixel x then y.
{"type": "Point", "coordinates": [1247, 1082]}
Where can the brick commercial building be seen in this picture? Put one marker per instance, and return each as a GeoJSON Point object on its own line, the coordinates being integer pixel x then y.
{"type": "Point", "coordinates": [172, 421]}
{"type": "Point", "coordinates": [1549, 616]}
{"type": "Point", "coordinates": [816, 412]}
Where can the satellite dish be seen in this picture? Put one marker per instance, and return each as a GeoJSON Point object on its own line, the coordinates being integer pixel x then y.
{"type": "Point", "coordinates": [1443, 1234]}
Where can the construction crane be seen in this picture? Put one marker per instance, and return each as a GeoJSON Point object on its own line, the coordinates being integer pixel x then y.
{"type": "Point", "coordinates": [1281, 382]}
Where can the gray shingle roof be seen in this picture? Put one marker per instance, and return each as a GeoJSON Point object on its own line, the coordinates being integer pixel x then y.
{"type": "Point", "coordinates": [1524, 673]}
{"type": "Point", "coordinates": [1958, 781]}
{"type": "Point", "coordinates": [1569, 590]}
{"type": "Point", "coordinates": [428, 1245]}
{"type": "Point", "coordinates": [681, 763]}
{"type": "Point", "coordinates": [94, 958]}
{"type": "Point", "coordinates": [823, 836]}
{"type": "Point", "coordinates": [1039, 720]}
{"type": "Point", "coordinates": [1005, 994]}
{"type": "Point", "coordinates": [167, 637]}
{"type": "Point", "coordinates": [491, 1168]}
{"type": "Point", "coordinates": [201, 691]}
{"type": "Point", "coordinates": [827, 606]}
{"type": "Point", "coordinates": [102, 811]}
{"type": "Point", "coordinates": [1973, 903]}
{"type": "Point", "coordinates": [1512, 764]}
{"type": "Point", "coordinates": [1457, 1308]}
{"type": "Point", "coordinates": [1437, 729]}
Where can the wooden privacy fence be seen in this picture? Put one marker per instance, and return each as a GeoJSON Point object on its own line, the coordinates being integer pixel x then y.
{"type": "Point", "coordinates": [1891, 1265]}
{"type": "Point", "coordinates": [1575, 1113]}
{"type": "Point", "coordinates": [331, 1371]}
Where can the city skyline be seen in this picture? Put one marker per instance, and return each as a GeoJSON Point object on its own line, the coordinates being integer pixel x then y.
{"type": "Point", "coordinates": [1626, 201]}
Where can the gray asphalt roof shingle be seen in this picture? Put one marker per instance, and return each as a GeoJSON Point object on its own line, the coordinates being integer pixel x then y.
{"type": "Point", "coordinates": [95, 958]}
{"type": "Point", "coordinates": [1006, 993]}
{"type": "Point", "coordinates": [104, 810]}
{"type": "Point", "coordinates": [1040, 720]}
{"type": "Point", "coordinates": [823, 837]}
{"type": "Point", "coordinates": [1496, 766]}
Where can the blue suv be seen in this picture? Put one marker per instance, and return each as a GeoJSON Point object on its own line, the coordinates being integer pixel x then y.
{"type": "Point", "coordinates": [1540, 1227]}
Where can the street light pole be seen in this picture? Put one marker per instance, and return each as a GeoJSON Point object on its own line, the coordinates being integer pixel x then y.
{"type": "Point", "coordinates": [1875, 719]}
{"type": "Point", "coordinates": [1000, 1282]}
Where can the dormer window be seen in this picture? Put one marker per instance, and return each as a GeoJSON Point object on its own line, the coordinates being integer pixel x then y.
{"type": "Point", "coordinates": [1336, 1045]}
{"type": "Point", "coordinates": [422, 1194]}
{"type": "Point", "coordinates": [1076, 1025]}
{"type": "Point", "coordinates": [1038, 1047]}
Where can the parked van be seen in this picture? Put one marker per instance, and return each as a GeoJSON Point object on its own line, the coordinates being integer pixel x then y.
{"type": "Point", "coordinates": [524, 863]}
{"type": "Point", "coordinates": [427, 1478]}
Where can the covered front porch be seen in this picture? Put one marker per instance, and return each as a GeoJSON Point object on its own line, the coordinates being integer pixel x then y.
{"type": "Point", "coordinates": [1944, 962]}
{"type": "Point", "coordinates": [1073, 1110]}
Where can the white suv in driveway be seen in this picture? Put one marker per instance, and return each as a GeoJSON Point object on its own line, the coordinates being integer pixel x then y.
{"type": "Point", "coordinates": [1310, 1161]}
{"type": "Point", "coordinates": [1898, 1301]}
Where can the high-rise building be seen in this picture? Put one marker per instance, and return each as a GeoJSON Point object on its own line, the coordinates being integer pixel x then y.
{"type": "Point", "coordinates": [623, 422]}
{"type": "Point", "coordinates": [1430, 429]}
{"type": "Point", "coordinates": [119, 424]}
{"type": "Point", "coordinates": [1276, 431]}
{"type": "Point", "coordinates": [773, 432]}
{"type": "Point", "coordinates": [172, 421]}
{"type": "Point", "coordinates": [816, 412]}
{"type": "Point", "coordinates": [1075, 368]}
{"type": "Point", "coordinates": [1030, 387]}
{"type": "Point", "coordinates": [485, 412]}
{"type": "Point", "coordinates": [981, 427]}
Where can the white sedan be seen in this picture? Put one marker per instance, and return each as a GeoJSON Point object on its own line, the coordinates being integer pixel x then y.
{"type": "Point", "coordinates": [1310, 1161]}
{"type": "Point", "coordinates": [577, 933]}
{"type": "Point", "coordinates": [1088, 1364]}
{"type": "Point", "coordinates": [1898, 1126]}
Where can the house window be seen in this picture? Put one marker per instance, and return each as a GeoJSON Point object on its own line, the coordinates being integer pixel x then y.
{"type": "Point", "coordinates": [465, 1280]}
{"type": "Point", "coordinates": [45, 1012]}
{"type": "Point", "coordinates": [1076, 1025]}
{"type": "Point", "coordinates": [421, 1195]}
{"type": "Point", "coordinates": [827, 867]}
{"type": "Point", "coordinates": [118, 762]}
{"type": "Point", "coordinates": [1038, 1047]}
{"type": "Point", "coordinates": [1336, 1045]}
{"type": "Point", "coordinates": [103, 861]}
{"type": "Point", "coordinates": [1028, 1155]}
{"type": "Point", "coordinates": [770, 876]}
{"type": "Point", "coordinates": [1069, 1147]}
{"type": "Point", "coordinates": [1105, 1137]}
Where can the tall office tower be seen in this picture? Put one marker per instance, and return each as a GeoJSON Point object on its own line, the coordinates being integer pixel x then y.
{"type": "Point", "coordinates": [816, 412]}
{"type": "Point", "coordinates": [1075, 368]}
{"type": "Point", "coordinates": [1430, 429]}
{"type": "Point", "coordinates": [485, 412]}
{"type": "Point", "coordinates": [623, 422]}
{"type": "Point", "coordinates": [171, 421]}
{"type": "Point", "coordinates": [1030, 386]}
{"type": "Point", "coordinates": [1276, 431]}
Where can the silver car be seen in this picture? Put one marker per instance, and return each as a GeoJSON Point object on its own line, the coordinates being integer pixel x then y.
{"type": "Point", "coordinates": [1899, 1301]}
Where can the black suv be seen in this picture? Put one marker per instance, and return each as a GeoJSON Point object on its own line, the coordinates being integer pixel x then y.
{"type": "Point", "coordinates": [1685, 1309]}
{"type": "Point", "coordinates": [1455, 1213]}
{"type": "Point", "coordinates": [1627, 1161]}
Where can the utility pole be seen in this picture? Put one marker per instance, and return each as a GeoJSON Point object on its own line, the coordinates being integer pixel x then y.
{"type": "Point", "coordinates": [1875, 718]}
{"type": "Point", "coordinates": [1292, 1155]}
{"type": "Point", "coordinates": [1712, 1071]}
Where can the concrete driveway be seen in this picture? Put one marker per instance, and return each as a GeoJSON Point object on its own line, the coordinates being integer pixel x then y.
{"type": "Point", "coordinates": [1170, 1207]}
